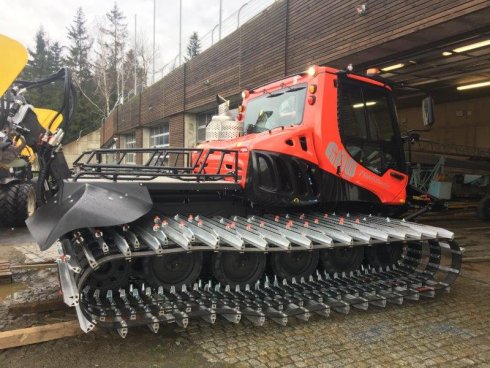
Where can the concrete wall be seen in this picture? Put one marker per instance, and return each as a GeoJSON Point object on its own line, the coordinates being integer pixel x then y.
{"type": "Point", "coordinates": [465, 122]}
{"type": "Point", "coordinates": [190, 130]}
{"type": "Point", "coordinates": [87, 142]}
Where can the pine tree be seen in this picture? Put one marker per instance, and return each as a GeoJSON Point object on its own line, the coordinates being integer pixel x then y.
{"type": "Point", "coordinates": [46, 59]}
{"type": "Point", "coordinates": [55, 57]}
{"type": "Point", "coordinates": [193, 47]}
{"type": "Point", "coordinates": [88, 114]}
{"type": "Point", "coordinates": [79, 48]}
{"type": "Point", "coordinates": [113, 51]}
{"type": "Point", "coordinates": [38, 66]}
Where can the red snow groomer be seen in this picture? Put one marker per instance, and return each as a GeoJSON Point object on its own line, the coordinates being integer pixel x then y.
{"type": "Point", "coordinates": [286, 211]}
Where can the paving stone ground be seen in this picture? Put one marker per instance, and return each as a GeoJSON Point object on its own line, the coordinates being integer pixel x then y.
{"type": "Point", "coordinates": [452, 330]}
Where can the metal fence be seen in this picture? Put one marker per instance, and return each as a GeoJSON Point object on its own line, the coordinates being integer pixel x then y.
{"type": "Point", "coordinates": [246, 12]}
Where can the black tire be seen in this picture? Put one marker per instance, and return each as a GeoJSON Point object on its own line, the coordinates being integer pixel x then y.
{"type": "Point", "coordinates": [383, 255]}
{"type": "Point", "coordinates": [175, 269]}
{"type": "Point", "coordinates": [294, 264]}
{"type": "Point", "coordinates": [342, 259]}
{"type": "Point", "coordinates": [234, 268]}
{"type": "Point", "coordinates": [110, 275]}
{"type": "Point", "coordinates": [17, 202]}
{"type": "Point", "coordinates": [484, 208]}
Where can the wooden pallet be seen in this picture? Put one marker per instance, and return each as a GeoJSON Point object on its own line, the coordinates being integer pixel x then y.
{"type": "Point", "coordinates": [5, 272]}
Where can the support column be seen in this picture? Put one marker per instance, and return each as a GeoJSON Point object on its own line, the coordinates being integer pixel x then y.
{"type": "Point", "coordinates": [176, 137]}
{"type": "Point", "coordinates": [176, 130]}
{"type": "Point", "coordinates": [190, 130]}
{"type": "Point", "coordinates": [138, 134]}
{"type": "Point", "coordinates": [145, 143]}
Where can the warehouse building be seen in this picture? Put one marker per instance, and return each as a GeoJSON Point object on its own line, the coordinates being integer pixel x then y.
{"type": "Point", "coordinates": [440, 47]}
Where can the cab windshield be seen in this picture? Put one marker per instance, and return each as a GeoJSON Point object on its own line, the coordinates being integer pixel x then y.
{"type": "Point", "coordinates": [368, 126]}
{"type": "Point", "coordinates": [279, 108]}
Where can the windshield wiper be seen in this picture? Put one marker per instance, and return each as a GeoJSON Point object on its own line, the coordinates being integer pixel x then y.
{"type": "Point", "coordinates": [294, 89]}
{"type": "Point", "coordinates": [275, 94]}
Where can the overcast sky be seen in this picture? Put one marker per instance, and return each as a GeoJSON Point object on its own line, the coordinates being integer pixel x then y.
{"type": "Point", "coordinates": [21, 19]}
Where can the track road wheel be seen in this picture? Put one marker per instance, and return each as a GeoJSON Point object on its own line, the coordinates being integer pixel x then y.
{"type": "Point", "coordinates": [234, 268]}
{"type": "Point", "coordinates": [110, 275]}
{"type": "Point", "coordinates": [173, 269]}
{"type": "Point", "coordinates": [342, 259]}
{"type": "Point", "coordinates": [383, 255]}
{"type": "Point", "coordinates": [17, 203]}
{"type": "Point", "coordinates": [294, 264]}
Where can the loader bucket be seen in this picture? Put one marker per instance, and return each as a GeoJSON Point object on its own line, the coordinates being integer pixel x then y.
{"type": "Point", "coordinates": [13, 58]}
{"type": "Point", "coordinates": [85, 205]}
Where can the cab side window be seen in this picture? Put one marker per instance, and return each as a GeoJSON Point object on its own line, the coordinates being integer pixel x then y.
{"type": "Point", "coordinates": [366, 119]}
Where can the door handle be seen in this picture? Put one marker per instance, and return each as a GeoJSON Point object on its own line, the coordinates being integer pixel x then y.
{"type": "Point", "coordinates": [397, 176]}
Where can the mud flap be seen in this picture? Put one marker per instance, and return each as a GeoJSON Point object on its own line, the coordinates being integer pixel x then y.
{"type": "Point", "coordinates": [82, 205]}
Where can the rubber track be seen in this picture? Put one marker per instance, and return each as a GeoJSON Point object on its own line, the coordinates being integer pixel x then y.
{"type": "Point", "coordinates": [420, 273]}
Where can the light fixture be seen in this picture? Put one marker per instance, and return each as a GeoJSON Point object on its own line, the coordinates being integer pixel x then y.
{"type": "Point", "coordinates": [372, 71]}
{"type": "Point", "coordinates": [474, 85]}
{"type": "Point", "coordinates": [447, 53]}
{"type": "Point", "coordinates": [311, 100]}
{"type": "Point", "coordinates": [473, 46]}
{"type": "Point", "coordinates": [359, 105]}
{"type": "Point", "coordinates": [392, 67]}
{"type": "Point", "coordinates": [312, 71]}
{"type": "Point", "coordinates": [361, 10]}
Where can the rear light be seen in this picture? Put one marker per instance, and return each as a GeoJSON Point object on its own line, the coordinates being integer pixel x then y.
{"type": "Point", "coordinates": [311, 100]}
{"type": "Point", "coordinates": [239, 117]}
{"type": "Point", "coordinates": [241, 108]}
{"type": "Point", "coordinates": [312, 88]}
{"type": "Point", "coordinates": [245, 94]}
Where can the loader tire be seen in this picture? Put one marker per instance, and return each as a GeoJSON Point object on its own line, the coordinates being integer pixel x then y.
{"type": "Point", "coordinates": [17, 202]}
{"type": "Point", "coordinates": [484, 208]}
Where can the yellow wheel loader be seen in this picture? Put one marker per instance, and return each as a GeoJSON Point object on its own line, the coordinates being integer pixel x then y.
{"type": "Point", "coordinates": [18, 120]}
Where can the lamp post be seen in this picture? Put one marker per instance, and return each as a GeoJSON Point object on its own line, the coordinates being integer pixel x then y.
{"type": "Point", "coordinates": [153, 75]}
{"type": "Point", "coordinates": [180, 32]}
{"type": "Point", "coordinates": [135, 60]}
{"type": "Point", "coordinates": [220, 16]}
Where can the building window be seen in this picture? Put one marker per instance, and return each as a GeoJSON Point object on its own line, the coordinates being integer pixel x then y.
{"type": "Point", "coordinates": [202, 120]}
{"type": "Point", "coordinates": [110, 158]}
{"type": "Point", "coordinates": [159, 136]}
{"type": "Point", "coordinates": [130, 142]}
